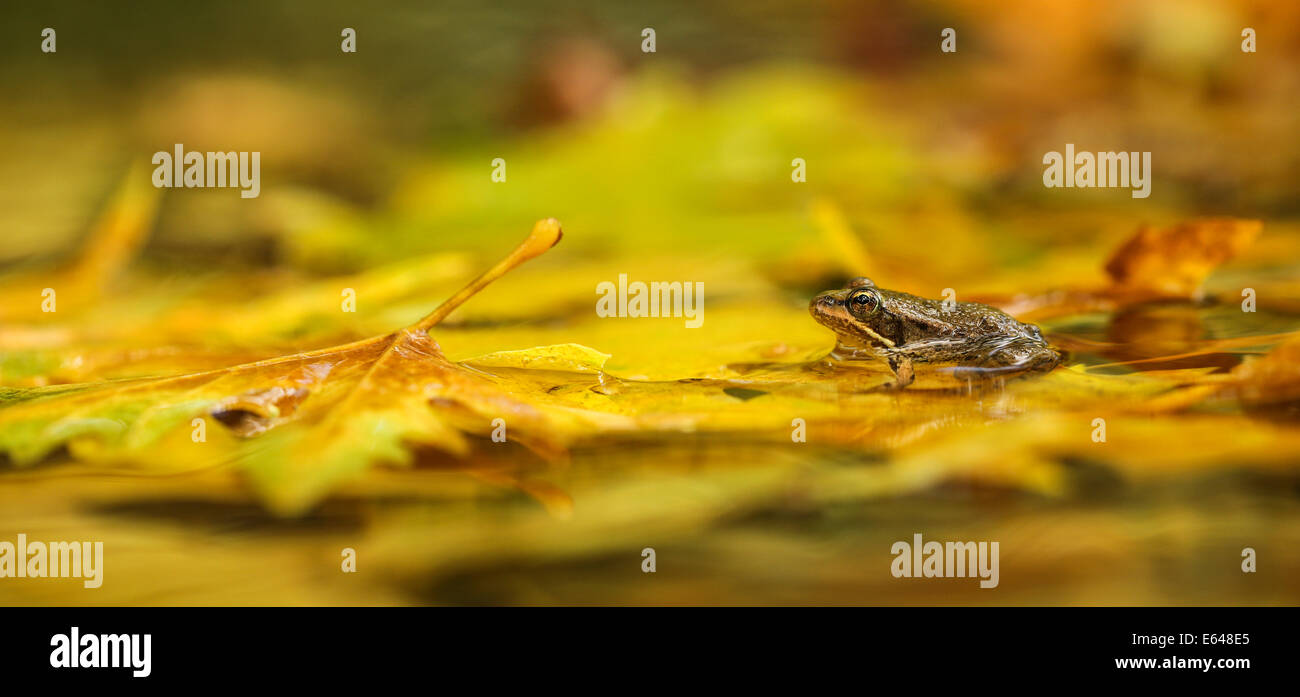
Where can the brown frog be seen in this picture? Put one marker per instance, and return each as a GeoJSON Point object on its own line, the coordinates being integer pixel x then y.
{"type": "Point", "coordinates": [968, 339]}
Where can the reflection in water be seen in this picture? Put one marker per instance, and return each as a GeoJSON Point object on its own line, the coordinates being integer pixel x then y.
{"type": "Point", "coordinates": [1147, 331]}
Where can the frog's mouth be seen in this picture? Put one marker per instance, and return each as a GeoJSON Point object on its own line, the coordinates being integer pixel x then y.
{"type": "Point", "coordinates": [829, 311]}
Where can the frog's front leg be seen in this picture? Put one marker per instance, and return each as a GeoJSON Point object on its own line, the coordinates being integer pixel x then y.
{"type": "Point", "coordinates": [901, 364]}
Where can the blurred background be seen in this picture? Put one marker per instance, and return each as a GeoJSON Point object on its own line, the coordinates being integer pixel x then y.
{"type": "Point", "coordinates": [925, 167]}
{"type": "Point", "coordinates": [681, 147]}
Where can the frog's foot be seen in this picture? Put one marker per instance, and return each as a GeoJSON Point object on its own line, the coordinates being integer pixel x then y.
{"type": "Point", "coordinates": [1010, 364]}
{"type": "Point", "coordinates": [902, 367]}
{"type": "Point", "coordinates": [1031, 359]}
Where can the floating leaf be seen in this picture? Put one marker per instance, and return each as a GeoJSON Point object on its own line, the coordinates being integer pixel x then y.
{"type": "Point", "coordinates": [313, 419]}
{"type": "Point", "coordinates": [1174, 261]}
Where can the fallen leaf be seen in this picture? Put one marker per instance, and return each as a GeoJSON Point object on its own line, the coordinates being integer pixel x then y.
{"type": "Point", "coordinates": [113, 242]}
{"type": "Point", "coordinates": [567, 357]}
{"type": "Point", "coordinates": [1168, 263]}
{"type": "Point", "coordinates": [1174, 261]}
{"type": "Point", "coordinates": [312, 419]}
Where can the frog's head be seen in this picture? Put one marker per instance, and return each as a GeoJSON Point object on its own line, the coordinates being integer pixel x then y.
{"type": "Point", "coordinates": [860, 314]}
{"type": "Point", "coordinates": [863, 315]}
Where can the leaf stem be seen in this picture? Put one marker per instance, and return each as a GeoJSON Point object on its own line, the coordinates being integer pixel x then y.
{"type": "Point", "coordinates": [546, 233]}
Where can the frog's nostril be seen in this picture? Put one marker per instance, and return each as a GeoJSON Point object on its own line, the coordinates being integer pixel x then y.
{"type": "Point", "coordinates": [820, 303]}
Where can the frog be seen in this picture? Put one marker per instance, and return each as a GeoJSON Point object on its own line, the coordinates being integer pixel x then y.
{"type": "Point", "coordinates": [967, 339]}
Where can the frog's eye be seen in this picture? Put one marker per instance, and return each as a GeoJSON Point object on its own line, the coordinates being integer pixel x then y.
{"type": "Point", "coordinates": [864, 302]}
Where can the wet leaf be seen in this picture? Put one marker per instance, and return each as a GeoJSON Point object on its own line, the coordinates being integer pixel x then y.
{"type": "Point", "coordinates": [1174, 261]}
{"type": "Point", "coordinates": [326, 414]}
